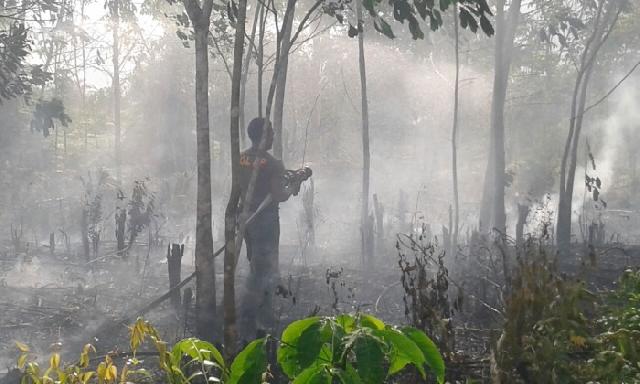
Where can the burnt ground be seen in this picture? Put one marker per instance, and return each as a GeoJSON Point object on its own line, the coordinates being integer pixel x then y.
{"type": "Point", "coordinates": [57, 298]}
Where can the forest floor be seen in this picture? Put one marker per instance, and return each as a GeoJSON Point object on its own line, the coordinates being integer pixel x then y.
{"type": "Point", "coordinates": [46, 299]}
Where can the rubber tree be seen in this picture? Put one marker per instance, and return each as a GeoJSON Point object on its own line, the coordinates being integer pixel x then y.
{"type": "Point", "coordinates": [492, 211]}
{"type": "Point", "coordinates": [365, 236]}
{"type": "Point", "coordinates": [199, 13]}
{"type": "Point", "coordinates": [454, 140]}
{"type": "Point", "coordinates": [231, 211]}
{"type": "Point", "coordinates": [604, 20]}
{"type": "Point", "coordinates": [114, 9]}
{"type": "Point", "coordinates": [281, 80]}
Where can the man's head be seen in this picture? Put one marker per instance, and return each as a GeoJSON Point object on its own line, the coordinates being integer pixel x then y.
{"type": "Point", "coordinates": [255, 129]}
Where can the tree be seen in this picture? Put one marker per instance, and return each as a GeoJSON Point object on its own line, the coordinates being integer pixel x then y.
{"type": "Point", "coordinates": [114, 10]}
{"type": "Point", "coordinates": [603, 20]}
{"type": "Point", "coordinates": [365, 225]}
{"type": "Point", "coordinates": [492, 211]}
{"type": "Point", "coordinates": [200, 16]}
{"type": "Point", "coordinates": [454, 141]}
{"type": "Point", "coordinates": [17, 77]}
{"type": "Point", "coordinates": [231, 249]}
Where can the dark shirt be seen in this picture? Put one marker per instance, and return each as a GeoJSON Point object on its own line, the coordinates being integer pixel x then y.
{"type": "Point", "coordinates": [270, 179]}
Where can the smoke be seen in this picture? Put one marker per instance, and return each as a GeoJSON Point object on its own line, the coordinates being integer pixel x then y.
{"type": "Point", "coordinates": [611, 142]}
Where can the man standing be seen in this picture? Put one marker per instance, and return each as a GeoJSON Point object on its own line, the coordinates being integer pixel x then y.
{"type": "Point", "coordinates": [262, 235]}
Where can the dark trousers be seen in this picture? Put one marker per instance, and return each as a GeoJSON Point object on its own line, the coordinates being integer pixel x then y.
{"type": "Point", "coordinates": [262, 238]}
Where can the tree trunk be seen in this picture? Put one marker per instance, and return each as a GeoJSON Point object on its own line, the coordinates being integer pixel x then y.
{"type": "Point", "coordinates": [206, 281]}
{"type": "Point", "coordinates": [121, 219]}
{"type": "Point", "coordinates": [115, 85]}
{"type": "Point", "coordinates": [454, 142]}
{"type": "Point", "coordinates": [231, 212]}
{"type": "Point", "coordinates": [523, 213]}
{"type": "Point", "coordinates": [366, 156]}
{"type": "Point", "coordinates": [493, 211]}
{"type": "Point", "coordinates": [604, 22]}
{"type": "Point", "coordinates": [260, 59]}
{"type": "Point", "coordinates": [281, 80]}
{"type": "Point", "coordinates": [245, 73]}
{"type": "Point", "coordinates": [174, 265]}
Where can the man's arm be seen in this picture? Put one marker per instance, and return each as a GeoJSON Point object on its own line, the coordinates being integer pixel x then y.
{"type": "Point", "coordinates": [279, 190]}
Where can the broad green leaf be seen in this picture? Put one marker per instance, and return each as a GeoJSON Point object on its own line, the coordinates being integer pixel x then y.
{"type": "Point", "coordinates": [372, 322]}
{"type": "Point", "coordinates": [315, 374]}
{"type": "Point", "coordinates": [250, 364]}
{"type": "Point", "coordinates": [301, 344]}
{"type": "Point", "coordinates": [369, 358]}
{"type": "Point", "coordinates": [197, 349]}
{"type": "Point", "coordinates": [432, 356]}
{"type": "Point", "coordinates": [347, 376]}
{"type": "Point", "coordinates": [347, 322]}
{"type": "Point", "coordinates": [403, 351]}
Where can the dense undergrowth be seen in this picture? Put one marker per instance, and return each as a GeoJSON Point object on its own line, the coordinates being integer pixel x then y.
{"type": "Point", "coordinates": [558, 331]}
{"type": "Point", "coordinates": [345, 349]}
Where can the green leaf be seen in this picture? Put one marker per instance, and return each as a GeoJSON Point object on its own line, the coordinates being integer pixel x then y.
{"type": "Point", "coordinates": [348, 375]}
{"type": "Point", "coordinates": [486, 26]}
{"type": "Point", "coordinates": [403, 351]}
{"type": "Point", "coordinates": [347, 322]}
{"type": "Point", "coordinates": [432, 356]}
{"type": "Point", "coordinates": [250, 364]}
{"type": "Point", "coordinates": [369, 358]}
{"type": "Point", "coordinates": [444, 4]}
{"type": "Point", "coordinates": [383, 27]}
{"type": "Point", "coordinates": [370, 5]}
{"type": "Point", "coordinates": [414, 28]}
{"type": "Point", "coordinates": [197, 349]}
{"type": "Point", "coordinates": [401, 10]}
{"type": "Point", "coordinates": [467, 20]}
{"type": "Point", "coordinates": [369, 321]}
{"type": "Point", "coordinates": [315, 374]}
{"type": "Point", "coordinates": [301, 344]}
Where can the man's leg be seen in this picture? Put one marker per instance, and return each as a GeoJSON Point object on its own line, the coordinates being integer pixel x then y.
{"type": "Point", "coordinates": [249, 303]}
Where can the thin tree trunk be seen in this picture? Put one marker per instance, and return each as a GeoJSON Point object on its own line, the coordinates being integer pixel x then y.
{"type": "Point", "coordinates": [281, 81]}
{"type": "Point", "coordinates": [115, 85]}
{"type": "Point", "coordinates": [84, 79]}
{"type": "Point", "coordinates": [366, 156]}
{"type": "Point", "coordinates": [493, 214]}
{"type": "Point", "coordinates": [260, 58]}
{"type": "Point", "coordinates": [454, 141]}
{"type": "Point", "coordinates": [604, 22]}
{"type": "Point", "coordinates": [205, 268]}
{"type": "Point", "coordinates": [205, 283]}
{"type": "Point", "coordinates": [231, 212]}
{"type": "Point", "coordinates": [245, 72]}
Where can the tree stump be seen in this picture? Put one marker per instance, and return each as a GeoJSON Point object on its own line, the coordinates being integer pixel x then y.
{"type": "Point", "coordinates": [174, 263]}
{"type": "Point", "coordinates": [52, 243]}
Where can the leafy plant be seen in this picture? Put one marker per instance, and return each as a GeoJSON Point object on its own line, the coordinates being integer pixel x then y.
{"type": "Point", "coordinates": [354, 349]}
{"type": "Point", "coordinates": [349, 349]}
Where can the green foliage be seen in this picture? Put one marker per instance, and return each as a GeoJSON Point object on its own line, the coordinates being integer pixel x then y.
{"type": "Point", "coordinates": [44, 114]}
{"type": "Point", "coordinates": [556, 331]}
{"type": "Point", "coordinates": [354, 349]}
{"type": "Point", "coordinates": [250, 366]}
{"type": "Point", "coordinates": [317, 350]}
{"type": "Point", "coordinates": [473, 14]}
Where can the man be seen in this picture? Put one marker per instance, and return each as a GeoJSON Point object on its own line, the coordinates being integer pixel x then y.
{"type": "Point", "coordinates": [262, 235]}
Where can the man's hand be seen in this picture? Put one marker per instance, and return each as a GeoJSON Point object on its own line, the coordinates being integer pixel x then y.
{"type": "Point", "coordinates": [294, 179]}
